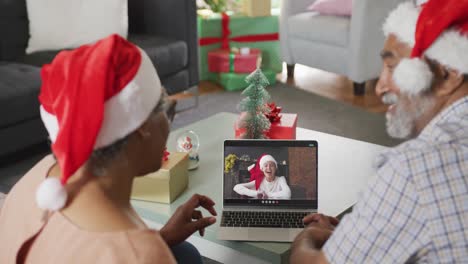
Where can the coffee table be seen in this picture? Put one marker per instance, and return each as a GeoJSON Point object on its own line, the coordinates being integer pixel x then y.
{"type": "Point", "coordinates": [344, 168]}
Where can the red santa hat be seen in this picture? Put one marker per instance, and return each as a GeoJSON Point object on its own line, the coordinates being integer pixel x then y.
{"type": "Point", "coordinates": [90, 98]}
{"type": "Point", "coordinates": [266, 158]}
{"type": "Point", "coordinates": [256, 170]}
{"type": "Point", "coordinates": [437, 29]}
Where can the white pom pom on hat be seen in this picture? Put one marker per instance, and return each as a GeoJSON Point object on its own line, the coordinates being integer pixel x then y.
{"type": "Point", "coordinates": [413, 76]}
{"type": "Point", "coordinates": [51, 195]}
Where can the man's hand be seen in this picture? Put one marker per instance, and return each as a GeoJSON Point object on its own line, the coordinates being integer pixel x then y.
{"type": "Point", "coordinates": [318, 229]}
{"type": "Point", "coordinates": [307, 245]}
{"type": "Point", "coordinates": [186, 220]}
{"type": "Point", "coordinates": [322, 221]}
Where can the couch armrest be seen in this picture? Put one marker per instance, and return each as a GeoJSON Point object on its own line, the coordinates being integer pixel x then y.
{"type": "Point", "coordinates": [289, 8]}
{"type": "Point", "coordinates": [367, 38]}
{"type": "Point", "coordinates": [176, 19]}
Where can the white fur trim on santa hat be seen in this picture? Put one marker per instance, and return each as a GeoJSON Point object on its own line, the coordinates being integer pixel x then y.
{"type": "Point", "coordinates": [450, 50]}
{"type": "Point", "coordinates": [127, 110]}
{"type": "Point", "coordinates": [266, 159]}
{"type": "Point", "coordinates": [412, 76]}
{"type": "Point", "coordinates": [421, 2]}
{"type": "Point", "coordinates": [124, 112]}
{"type": "Point", "coordinates": [51, 195]}
{"type": "Point", "coordinates": [50, 123]}
{"type": "Point", "coordinates": [402, 22]}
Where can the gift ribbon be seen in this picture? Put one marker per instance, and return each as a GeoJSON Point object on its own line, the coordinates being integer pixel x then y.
{"type": "Point", "coordinates": [232, 57]}
{"type": "Point", "coordinates": [225, 39]}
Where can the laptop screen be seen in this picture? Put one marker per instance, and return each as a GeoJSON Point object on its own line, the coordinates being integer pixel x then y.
{"type": "Point", "coordinates": [276, 173]}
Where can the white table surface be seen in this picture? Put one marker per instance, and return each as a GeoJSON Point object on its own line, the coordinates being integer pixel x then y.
{"type": "Point", "coordinates": [344, 169]}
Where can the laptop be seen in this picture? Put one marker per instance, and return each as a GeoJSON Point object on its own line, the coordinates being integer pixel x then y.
{"type": "Point", "coordinates": [268, 203]}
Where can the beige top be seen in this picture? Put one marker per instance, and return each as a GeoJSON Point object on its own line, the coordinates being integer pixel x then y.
{"type": "Point", "coordinates": [60, 241]}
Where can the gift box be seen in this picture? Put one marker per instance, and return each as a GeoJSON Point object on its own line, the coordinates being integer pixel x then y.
{"type": "Point", "coordinates": [256, 8]}
{"type": "Point", "coordinates": [284, 129]}
{"type": "Point", "coordinates": [236, 81]}
{"type": "Point", "coordinates": [242, 60]}
{"type": "Point", "coordinates": [166, 184]}
{"type": "Point", "coordinates": [221, 31]}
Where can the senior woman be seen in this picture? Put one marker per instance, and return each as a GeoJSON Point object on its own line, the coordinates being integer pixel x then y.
{"type": "Point", "coordinates": [264, 184]}
{"type": "Point", "coordinates": [102, 107]}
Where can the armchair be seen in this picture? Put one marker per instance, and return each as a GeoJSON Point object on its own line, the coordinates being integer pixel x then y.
{"type": "Point", "coordinates": [342, 45]}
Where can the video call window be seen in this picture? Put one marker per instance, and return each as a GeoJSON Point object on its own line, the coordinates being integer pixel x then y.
{"type": "Point", "coordinates": [277, 173]}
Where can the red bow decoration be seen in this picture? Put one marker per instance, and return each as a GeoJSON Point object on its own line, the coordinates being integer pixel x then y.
{"type": "Point", "coordinates": [166, 154]}
{"type": "Point", "coordinates": [274, 114]}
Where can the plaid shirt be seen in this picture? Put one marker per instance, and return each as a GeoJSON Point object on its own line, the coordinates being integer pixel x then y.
{"type": "Point", "coordinates": [416, 209]}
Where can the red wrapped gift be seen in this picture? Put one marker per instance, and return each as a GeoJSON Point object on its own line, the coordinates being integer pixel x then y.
{"type": "Point", "coordinates": [284, 129]}
{"type": "Point", "coordinates": [224, 60]}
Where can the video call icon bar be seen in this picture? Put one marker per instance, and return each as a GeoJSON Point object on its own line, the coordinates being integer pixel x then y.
{"type": "Point", "coordinates": [269, 202]}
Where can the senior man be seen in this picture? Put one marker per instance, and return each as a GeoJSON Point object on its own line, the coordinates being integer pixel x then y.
{"type": "Point", "coordinates": [416, 209]}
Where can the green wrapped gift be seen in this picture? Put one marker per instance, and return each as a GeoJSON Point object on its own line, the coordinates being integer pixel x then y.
{"type": "Point", "coordinates": [236, 81]}
{"type": "Point", "coordinates": [217, 31]}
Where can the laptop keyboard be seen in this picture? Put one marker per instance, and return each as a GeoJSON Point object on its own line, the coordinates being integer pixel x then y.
{"type": "Point", "coordinates": [263, 219]}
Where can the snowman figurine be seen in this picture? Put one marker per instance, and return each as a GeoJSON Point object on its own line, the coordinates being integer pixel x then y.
{"type": "Point", "coordinates": [188, 142]}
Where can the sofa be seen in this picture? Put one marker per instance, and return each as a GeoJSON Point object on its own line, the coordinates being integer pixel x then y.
{"type": "Point", "coordinates": [165, 29]}
{"type": "Point", "coordinates": [347, 46]}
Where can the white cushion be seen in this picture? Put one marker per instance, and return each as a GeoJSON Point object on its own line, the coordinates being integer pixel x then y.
{"type": "Point", "coordinates": [332, 30]}
{"type": "Point", "coordinates": [61, 24]}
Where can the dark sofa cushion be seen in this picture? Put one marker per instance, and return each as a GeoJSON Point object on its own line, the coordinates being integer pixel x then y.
{"type": "Point", "coordinates": [19, 89]}
{"type": "Point", "coordinates": [168, 56]}
{"type": "Point", "coordinates": [39, 58]}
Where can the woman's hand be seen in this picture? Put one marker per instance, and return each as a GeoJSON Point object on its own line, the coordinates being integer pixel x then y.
{"type": "Point", "coordinates": [186, 220]}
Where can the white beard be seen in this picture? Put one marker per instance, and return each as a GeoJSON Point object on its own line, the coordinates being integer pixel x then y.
{"type": "Point", "coordinates": [402, 122]}
{"type": "Point", "coordinates": [399, 124]}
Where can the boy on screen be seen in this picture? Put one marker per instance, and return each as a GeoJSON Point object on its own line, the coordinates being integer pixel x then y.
{"type": "Point", "coordinates": [264, 184]}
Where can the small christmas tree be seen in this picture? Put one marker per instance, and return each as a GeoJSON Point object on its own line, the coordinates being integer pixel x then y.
{"type": "Point", "coordinates": [255, 123]}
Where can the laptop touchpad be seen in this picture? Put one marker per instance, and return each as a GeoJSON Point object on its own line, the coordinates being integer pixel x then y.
{"type": "Point", "coordinates": [268, 234]}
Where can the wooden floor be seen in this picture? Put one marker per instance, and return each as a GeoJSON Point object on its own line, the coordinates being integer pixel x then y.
{"type": "Point", "coordinates": [315, 81]}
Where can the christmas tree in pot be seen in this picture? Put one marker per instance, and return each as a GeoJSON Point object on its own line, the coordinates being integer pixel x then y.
{"type": "Point", "coordinates": [255, 123]}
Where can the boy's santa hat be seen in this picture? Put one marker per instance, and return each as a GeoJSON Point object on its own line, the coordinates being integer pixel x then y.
{"type": "Point", "coordinates": [437, 29]}
{"type": "Point", "coordinates": [256, 170]}
{"type": "Point", "coordinates": [90, 98]}
{"type": "Point", "coordinates": [266, 158]}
